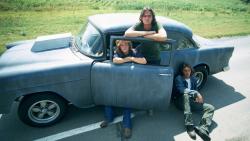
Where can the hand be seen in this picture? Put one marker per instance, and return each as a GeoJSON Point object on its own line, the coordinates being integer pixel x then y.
{"type": "Point", "coordinates": [149, 33]}
{"type": "Point", "coordinates": [199, 98]}
{"type": "Point", "coordinates": [132, 59]}
{"type": "Point", "coordinates": [128, 59]}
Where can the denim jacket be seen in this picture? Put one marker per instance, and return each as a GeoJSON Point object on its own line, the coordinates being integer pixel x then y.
{"type": "Point", "coordinates": [180, 84]}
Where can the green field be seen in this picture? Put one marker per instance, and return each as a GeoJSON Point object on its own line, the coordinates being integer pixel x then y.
{"type": "Point", "coordinates": [27, 19]}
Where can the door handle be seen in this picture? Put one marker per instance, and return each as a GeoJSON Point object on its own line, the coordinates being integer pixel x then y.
{"type": "Point", "coordinates": [164, 74]}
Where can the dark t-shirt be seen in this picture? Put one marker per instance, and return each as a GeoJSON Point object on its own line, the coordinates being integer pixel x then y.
{"type": "Point", "coordinates": [132, 53]}
{"type": "Point", "coordinates": [150, 50]}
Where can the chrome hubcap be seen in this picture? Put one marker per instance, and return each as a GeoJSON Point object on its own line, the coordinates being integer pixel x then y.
{"type": "Point", "coordinates": [200, 77]}
{"type": "Point", "coordinates": [44, 111]}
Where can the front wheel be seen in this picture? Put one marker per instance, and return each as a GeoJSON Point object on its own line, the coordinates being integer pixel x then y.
{"type": "Point", "coordinates": [201, 74]}
{"type": "Point", "coordinates": [41, 109]}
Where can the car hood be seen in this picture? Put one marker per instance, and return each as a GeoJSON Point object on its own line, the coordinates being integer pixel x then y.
{"type": "Point", "coordinates": [44, 49]}
{"type": "Point", "coordinates": [20, 67]}
{"type": "Point", "coordinates": [22, 55]}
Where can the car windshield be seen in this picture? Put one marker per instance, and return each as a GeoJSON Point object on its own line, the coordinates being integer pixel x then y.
{"type": "Point", "coordinates": [90, 42]}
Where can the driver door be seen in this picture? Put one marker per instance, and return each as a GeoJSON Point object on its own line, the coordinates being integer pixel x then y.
{"type": "Point", "coordinates": [131, 85]}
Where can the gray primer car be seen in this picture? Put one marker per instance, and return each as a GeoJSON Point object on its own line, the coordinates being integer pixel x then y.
{"type": "Point", "coordinates": [47, 73]}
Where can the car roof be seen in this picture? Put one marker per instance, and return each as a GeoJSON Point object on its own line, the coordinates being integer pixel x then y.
{"type": "Point", "coordinates": [120, 22]}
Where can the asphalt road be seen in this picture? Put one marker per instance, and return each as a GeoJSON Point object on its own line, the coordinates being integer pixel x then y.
{"type": "Point", "coordinates": [228, 91]}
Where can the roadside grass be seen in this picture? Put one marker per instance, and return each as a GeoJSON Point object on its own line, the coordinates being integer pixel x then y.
{"type": "Point", "coordinates": [27, 19]}
{"type": "Point", "coordinates": [210, 25]}
{"type": "Point", "coordinates": [194, 5]}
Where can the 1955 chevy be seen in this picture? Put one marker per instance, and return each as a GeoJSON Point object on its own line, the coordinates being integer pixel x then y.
{"type": "Point", "coordinates": [46, 74]}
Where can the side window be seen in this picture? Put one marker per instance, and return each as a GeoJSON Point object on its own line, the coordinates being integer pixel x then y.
{"type": "Point", "coordinates": [107, 37]}
{"type": "Point", "coordinates": [184, 43]}
{"type": "Point", "coordinates": [161, 46]}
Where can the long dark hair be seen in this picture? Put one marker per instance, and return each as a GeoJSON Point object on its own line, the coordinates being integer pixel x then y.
{"type": "Point", "coordinates": [151, 11]}
{"type": "Point", "coordinates": [186, 65]}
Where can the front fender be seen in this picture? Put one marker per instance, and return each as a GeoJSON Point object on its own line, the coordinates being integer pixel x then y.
{"type": "Point", "coordinates": [71, 81]}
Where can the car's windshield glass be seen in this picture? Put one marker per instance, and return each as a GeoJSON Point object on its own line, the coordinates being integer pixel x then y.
{"type": "Point", "coordinates": [90, 42]}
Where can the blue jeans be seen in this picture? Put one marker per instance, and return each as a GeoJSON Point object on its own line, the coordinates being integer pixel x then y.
{"type": "Point", "coordinates": [188, 105]}
{"type": "Point", "coordinates": [109, 116]}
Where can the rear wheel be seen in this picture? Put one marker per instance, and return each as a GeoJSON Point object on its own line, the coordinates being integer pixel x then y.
{"type": "Point", "coordinates": [41, 109]}
{"type": "Point", "coordinates": [201, 74]}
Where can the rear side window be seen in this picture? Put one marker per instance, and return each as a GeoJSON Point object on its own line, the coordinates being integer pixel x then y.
{"type": "Point", "coordinates": [182, 42]}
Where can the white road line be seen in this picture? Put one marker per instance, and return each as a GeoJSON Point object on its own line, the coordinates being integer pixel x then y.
{"type": "Point", "coordinates": [0, 116]}
{"type": "Point", "coordinates": [79, 130]}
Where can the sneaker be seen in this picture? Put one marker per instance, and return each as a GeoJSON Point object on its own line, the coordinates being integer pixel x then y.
{"type": "Point", "coordinates": [104, 124]}
{"type": "Point", "coordinates": [127, 132]}
{"type": "Point", "coordinates": [190, 131]}
{"type": "Point", "coordinates": [202, 133]}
